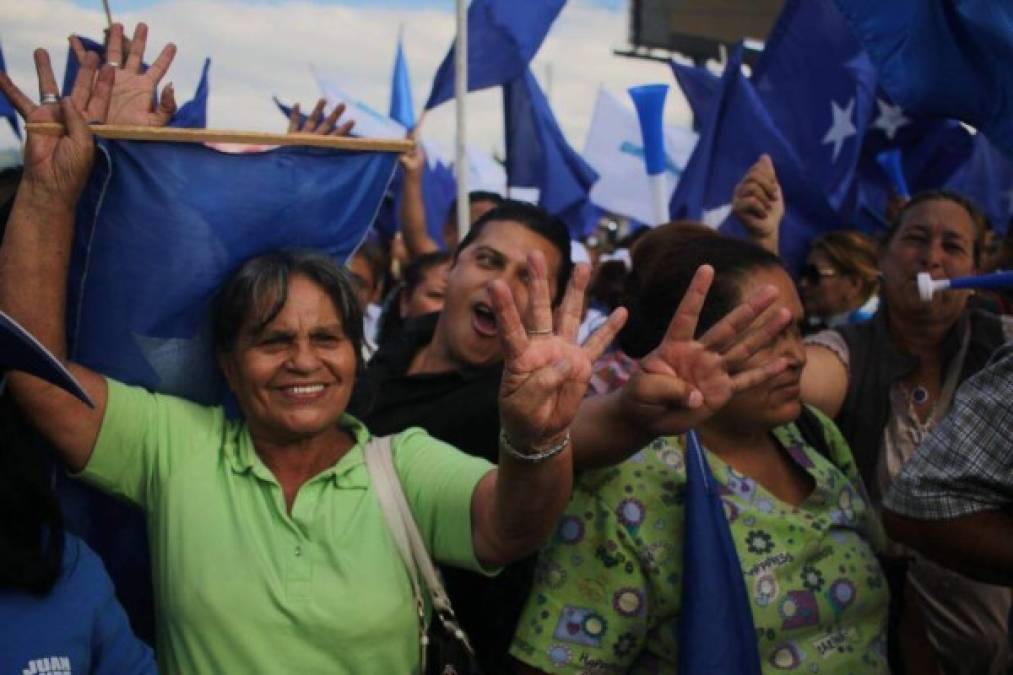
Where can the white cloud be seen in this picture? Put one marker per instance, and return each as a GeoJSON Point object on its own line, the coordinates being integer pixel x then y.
{"type": "Point", "coordinates": [258, 50]}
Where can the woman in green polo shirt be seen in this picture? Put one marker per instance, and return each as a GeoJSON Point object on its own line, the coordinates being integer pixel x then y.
{"type": "Point", "coordinates": [608, 589]}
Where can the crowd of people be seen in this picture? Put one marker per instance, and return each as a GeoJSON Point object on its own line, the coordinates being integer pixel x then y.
{"type": "Point", "coordinates": [538, 410]}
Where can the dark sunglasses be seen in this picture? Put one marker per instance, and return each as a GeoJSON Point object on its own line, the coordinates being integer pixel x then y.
{"type": "Point", "coordinates": [814, 274]}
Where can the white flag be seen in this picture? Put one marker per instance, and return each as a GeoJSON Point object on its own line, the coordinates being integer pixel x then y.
{"type": "Point", "coordinates": [615, 150]}
{"type": "Point", "coordinates": [368, 122]}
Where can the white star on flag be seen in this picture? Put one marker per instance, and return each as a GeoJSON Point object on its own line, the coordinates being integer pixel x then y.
{"type": "Point", "coordinates": [891, 118]}
{"type": "Point", "coordinates": [842, 128]}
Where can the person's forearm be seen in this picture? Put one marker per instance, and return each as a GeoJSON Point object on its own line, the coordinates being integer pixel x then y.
{"type": "Point", "coordinates": [413, 218]}
{"type": "Point", "coordinates": [770, 242]}
{"type": "Point", "coordinates": [979, 545]}
{"type": "Point", "coordinates": [34, 259]}
{"type": "Point", "coordinates": [604, 433]}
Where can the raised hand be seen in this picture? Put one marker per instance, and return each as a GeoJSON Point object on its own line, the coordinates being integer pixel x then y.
{"type": "Point", "coordinates": [56, 167]}
{"type": "Point", "coordinates": [545, 371]}
{"type": "Point", "coordinates": [316, 123]}
{"type": "Point", "coordinates": [759, 203]}
{"type": "Point", "coordinates": [685, 379]}
{"type": "Point", "coordinates": [134, 92]}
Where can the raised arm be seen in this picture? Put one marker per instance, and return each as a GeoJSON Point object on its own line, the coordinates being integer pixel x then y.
{"type": "Point", "coordinates": [683, 381]}
{"type": "Point", "coordinates": [36, 248]}
{"type": "Point", "coordinates": [412, 213]}
{"type": "Point", "coordinates": [759, 204]}
{"type": "Point", "coordinates": [545, 375]}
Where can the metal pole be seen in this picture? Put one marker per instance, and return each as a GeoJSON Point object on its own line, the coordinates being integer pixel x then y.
{"type": "Point", "coordinates": [460, 93]}
{"type": "Point", "coordinates": [109, 15]}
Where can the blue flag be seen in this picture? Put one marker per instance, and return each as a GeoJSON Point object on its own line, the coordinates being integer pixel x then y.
{"type": "Point", "coordinates": [699, 86]}
{"type": "Point", "coordinates": [818, 85]}
{"type": "Point", "coordinates": [987, 178]}
{"type": "Point", "coordinates": [538, 156]}
{"type": "Point", "coordinates": [503, 36]}
{"type": "Point", "coordinates": [714, 597]}
{"type": "Point", "coordinates": [737, 131]}
{"type": "Point", "coordinates": [192, 114]}
{"type": "Point", "coordinates": [6, 109]}
{"type": "Point", "coordinates": [401, 108]}
{"type": "Point", "coordinates": [944, 58]}
{"type": "Point", "coordinates": [162, 226]}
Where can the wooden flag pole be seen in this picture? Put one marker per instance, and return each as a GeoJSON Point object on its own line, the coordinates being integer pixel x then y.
{"type": "Point", "coordinates": [179, 135]}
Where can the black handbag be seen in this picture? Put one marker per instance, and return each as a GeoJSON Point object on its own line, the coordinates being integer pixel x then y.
{"type": "Point", "coordinates": [445, 649]}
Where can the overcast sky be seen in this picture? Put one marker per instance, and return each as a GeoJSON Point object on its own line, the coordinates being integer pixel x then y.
{"type": "Point", "coordinates": [260, 48]}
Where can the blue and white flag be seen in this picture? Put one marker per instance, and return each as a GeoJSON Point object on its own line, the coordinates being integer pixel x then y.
{"type": "Point", "coordinates": [7, 110]}
{"type": "Point", "coordinates": [943, 58]}
{"type": "Point", "coordinates": [503, 37]}
{"type": "Point", "coordinates": [819, 86]}
{"type": "Point", "coordinates": [615, 151]}
{"type": "Point", "coordinates": [539, 156]}
{"type": "Point", "coordinates": [369, 123]}
{"type": "Point", "coordinates": [737, 131]}
{"type": "Point", "coordinates": [401, 108]}
{"type": "Point", "coordinates": [162, 225]}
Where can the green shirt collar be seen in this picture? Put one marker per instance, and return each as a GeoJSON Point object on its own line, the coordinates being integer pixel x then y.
{"type": "Point", "coordinates": [349, 471]}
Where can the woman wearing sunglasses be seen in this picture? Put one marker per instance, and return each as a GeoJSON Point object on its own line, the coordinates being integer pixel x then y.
{"type": "Point", "coordinates": [840, 280]}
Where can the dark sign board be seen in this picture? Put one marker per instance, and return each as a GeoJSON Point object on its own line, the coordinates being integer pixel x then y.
{"type": "Point", "coordinates": [696, 27]}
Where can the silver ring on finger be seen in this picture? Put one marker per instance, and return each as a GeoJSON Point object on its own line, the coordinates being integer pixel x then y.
{"type": "Point", "coordinates": [543, 332]}
{"type": "Point", "coordinates": [114, 64]}
{"type": "Point", "coordinates": [47, 99]}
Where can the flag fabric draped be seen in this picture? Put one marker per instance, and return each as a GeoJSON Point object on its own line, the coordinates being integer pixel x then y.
{"type": "Point", "coordinates": [737, 131]}
{"type": "Point", "coordinates": [7, 110]}
{"type": "Point", "coordinates": [503, 37]}
{"type": "Point", "coordinates": [162, 225]}
{"type": "Point", "coordinates": [819, 87]}
{"type": "Point", "coordinates": [369, 122]}
{"type": "Point", "coordinates": [401, 108]}
{"type": "Point", "coordinates": [699, 86]}
{"type": "Point", "coordinates": [615, 151]}
{"type": "Point", "coordinates": [944, 58]}
{"type": "Point", "coordinates": [714, 597]}
{"type": "Point", "coordinates": [538, 155]}
{"type": "Point", "coordinates": [987, 178]}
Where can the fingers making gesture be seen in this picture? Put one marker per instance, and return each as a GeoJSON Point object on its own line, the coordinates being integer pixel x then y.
{"type": "Point", "coordinates": [317, 123]}
{"type": "Point", "coordinates": [135, 88]}
{"type": "Point", "coordinates": [687, 379]}
{"type": "Point", "coordinates": [545, 371]}
{"type": "Point", "coordinates": [56, 167]}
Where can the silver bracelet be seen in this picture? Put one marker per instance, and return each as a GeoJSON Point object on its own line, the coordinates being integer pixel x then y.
{"type": "Point", "coordinates": [534, 457]}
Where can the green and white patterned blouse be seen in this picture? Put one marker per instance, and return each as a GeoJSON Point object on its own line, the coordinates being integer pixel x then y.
{"type": "Point", "coordinates": [608, 587]}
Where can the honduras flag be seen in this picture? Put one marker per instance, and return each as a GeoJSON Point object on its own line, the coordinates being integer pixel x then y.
{"type": "Point", "coordinates": [699, 86]}
{"type": "Point", "coordinates": [163, 224]}
{"type": "Point", "coordinates": [538, 155]}
{"type": "Point", "coordinates": [503, 36]}
{"type": "Point", "coordinates": [943, 58]}
{"type": "Point", "coordinates": [401, 108]}
{"type": "Point", "coordinates": [987, 178]}
{"type": "Point", "coordinates": [737, 131]}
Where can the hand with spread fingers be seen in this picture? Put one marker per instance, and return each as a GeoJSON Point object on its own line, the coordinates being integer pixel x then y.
{"type": "Point", "coordinates": [686, 379]}
{"type": "Point", "coordinates": [57, 167]}
{"type": "Point", "coordinates": [545, 371]}
{"type": "Point", "coordinates": [134, 89]}
{"type": "Point", "coordinates": [317, 123]}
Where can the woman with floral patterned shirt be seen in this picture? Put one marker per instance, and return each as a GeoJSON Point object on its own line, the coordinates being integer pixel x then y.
{"type": "Point", "coordinates": [608, 589]}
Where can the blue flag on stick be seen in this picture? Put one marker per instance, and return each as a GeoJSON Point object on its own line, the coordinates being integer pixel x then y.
{"type": "Point", "coordinates": [503, 36]}
{"type": "Point", "coordinates": [699, 86]}
{"type": "Point", "coordinates": [163, 224]}
{"type": "Point", "coordinates": [819, 87]}
{"type": "Point", "coordinates": [7, 111]}
{"type": "Point", "coordinates": [737, 131]}
{"type": "Point", "coordinates": [538, 156]}
{"type": "Point", "coordinates": [945, 58]}
{"type": "Point", "coordinates": [401, 108]}
{"type": "Point", "coordinates": [714, 597]}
